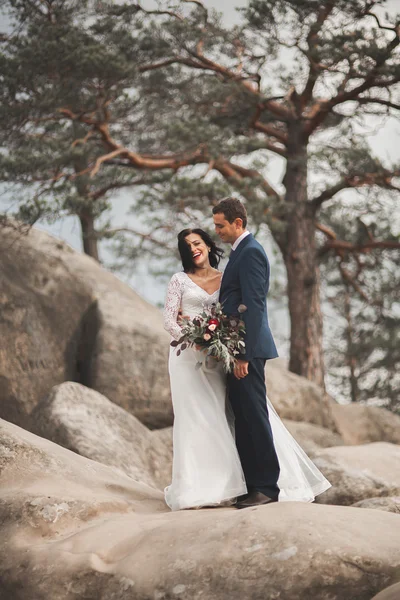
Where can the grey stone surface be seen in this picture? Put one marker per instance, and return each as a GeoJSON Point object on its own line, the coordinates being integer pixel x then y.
{"type": "Point", "coordinates": [42, 309]}
{"type": "Point", "coordinates": [63, 317]}
{"type": "Point", "coordinates": [360, 424]}
{"type": "Point", "coordinates": [312, 437]}
{"type": "Point", "coordinates": [297, 398]}
{"type": "Point", "coordinates": [359, 472]}
{"type": "Point", "coordinates": [390, 593]}
{"type": "Point", "coordinates": [82, 420]}
{"type": "Point", "coordinates": [388, 504]}
{"type": "Point", "coordinates": [72, 528]}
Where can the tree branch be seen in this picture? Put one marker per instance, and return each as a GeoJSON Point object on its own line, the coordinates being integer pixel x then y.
{"type": "Point", "coordinates": [201, 62]}
{"type": "Point", "coordinates": [324, 12]}
{"type": "Point", "coordinates": [349, 248]}
{"type": "Point", "coordinates": [378, 101]}
{"type": "Point", "coordinates": [267, 145]}
{"type": "Point", "coordinates": [342, 249]}
{"type": "Point", "coordinates": [394, 28]}
{"type": "Point", "coordinates": [170, 13]}
{"type": "Point", "coordinates": [94, 170]}
{"type": "Point", "coordinates": [207, 64]}
{"type": "Point", "coordinates": [174, 161]}
{"type": "Point", "coordinates": [322, 108]}
{"type": "Point", "coordinates": [201, 5]}
{"type": "Point", "coordinates": [234, 171]}
{"type": "Point", "coordinates": [326, 230]}
{"type": "Point", "coordinates": [281, 136]}
{"type": "Point", "coordinates": [143, 236]}
{"type": "Point", "coordinates": [158, 65]}
{"type": "Point", "coordinates": [381, 178]}
{"type": "Point", "coordinates": [95, 195]}
{"type": "Point", "coordinates": [350, 279]}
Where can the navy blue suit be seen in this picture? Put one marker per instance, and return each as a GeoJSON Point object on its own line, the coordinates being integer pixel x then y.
{"type": "Point", "coordinates": [246, 281]}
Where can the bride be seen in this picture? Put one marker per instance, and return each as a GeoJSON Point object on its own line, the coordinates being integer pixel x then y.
{"type": "Point", "coordinates": [206, 466]}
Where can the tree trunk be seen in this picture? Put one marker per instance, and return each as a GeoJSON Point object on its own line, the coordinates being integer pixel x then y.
{"type": "Point", "coordinates": [84, 209]}
{"type": "Point", "coordinates": [299, 253]}
{"type": "Point", "coordinates": [89, 237]}
{"type": "Point", "coordinates": [351, 358]}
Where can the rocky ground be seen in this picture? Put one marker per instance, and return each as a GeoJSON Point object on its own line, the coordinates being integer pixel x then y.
{"type": "Point", "coordinates": [75, 528]}
{"type": "Point", "coordinates": [86, 448]}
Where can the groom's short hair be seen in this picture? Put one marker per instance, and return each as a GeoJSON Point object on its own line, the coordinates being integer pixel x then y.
{"type": "Point", "coordinates": [232, 209]}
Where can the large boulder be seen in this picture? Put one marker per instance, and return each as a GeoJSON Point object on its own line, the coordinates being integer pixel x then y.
{"type": "Point", "coordinates": [359, 472]}
{"type": "Point", "coordinates": [312, 437]}
{"type": "Point", "coordinates": [360, 424]}
{"type": "Point", "coordinates": [390, 593]}
{"type": "Point", "coordinates": [86, 422]}
{"type": "Point", "coordinates": [297, 398]}
{"type": "Point", "coordinates": [389, 504]}
{"type": "Point", "coordinates": [42, 309]}
{"type": "Point", "coordinates": [72, 528]}
{"type": "Point", "coordinates": [63, 317]}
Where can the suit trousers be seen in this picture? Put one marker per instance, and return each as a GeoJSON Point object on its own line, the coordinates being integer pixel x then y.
{"type": "Point", "coordinates": [254, 441]}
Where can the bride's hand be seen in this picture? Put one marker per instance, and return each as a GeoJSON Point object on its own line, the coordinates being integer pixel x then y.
{"type": "Point", "coordinates": [241, 369]}
{"type": "Point", "coordinates": [180, 317]}
{"type": "Point", "coordinates": [200, 348]}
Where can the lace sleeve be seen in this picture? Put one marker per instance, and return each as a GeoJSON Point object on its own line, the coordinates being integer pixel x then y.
{"type": "Point", "coordinates": [172, 305]}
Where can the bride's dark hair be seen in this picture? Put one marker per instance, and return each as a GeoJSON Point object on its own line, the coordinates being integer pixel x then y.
{"type": "Point", "coordinates": [188, 264]}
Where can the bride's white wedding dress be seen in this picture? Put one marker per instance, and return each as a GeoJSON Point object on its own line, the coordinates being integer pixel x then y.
{"type": "Point", "coordinates": [206, 466]}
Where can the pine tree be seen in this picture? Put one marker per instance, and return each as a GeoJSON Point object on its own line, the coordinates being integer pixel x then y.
{"type": "Point", "coordinates": [292, 82]}
{"type": "Point", "coordinates": [362, 353]}
{"type": "Point", "coordinates": [56, 57]}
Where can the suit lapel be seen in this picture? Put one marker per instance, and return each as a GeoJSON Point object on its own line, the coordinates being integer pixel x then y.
{"type": "Point", "coordinates": [236, 253]}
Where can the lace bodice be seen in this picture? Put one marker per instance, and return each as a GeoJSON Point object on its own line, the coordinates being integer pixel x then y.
{"type": "Point", "coordinates": [185, 294]}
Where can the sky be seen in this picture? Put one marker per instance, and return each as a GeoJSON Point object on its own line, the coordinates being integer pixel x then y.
{"type": "Point", "coordinates": [385, 143]}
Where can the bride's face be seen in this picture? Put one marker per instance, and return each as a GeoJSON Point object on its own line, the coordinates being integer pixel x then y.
{"type": "Point", "coordinates": [199, 250]}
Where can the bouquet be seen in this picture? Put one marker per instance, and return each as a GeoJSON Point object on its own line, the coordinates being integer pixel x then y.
{"type": "Point", "coordinates": [217, 335]}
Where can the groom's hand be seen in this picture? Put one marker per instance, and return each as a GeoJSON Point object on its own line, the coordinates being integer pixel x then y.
{"type": "Point", "coordinates": [241, 369]}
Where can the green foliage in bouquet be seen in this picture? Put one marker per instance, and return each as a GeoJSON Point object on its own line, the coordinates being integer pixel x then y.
{"type": "Point", "coordinates": [215, 334]}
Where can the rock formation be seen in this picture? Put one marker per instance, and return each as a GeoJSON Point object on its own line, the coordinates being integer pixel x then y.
{"type": "Point", "coordinates": [65, 318]}
{"type": "Point", "coordinates": [86, 422]}
{"type": "Point", "coordinates": [73, 528]}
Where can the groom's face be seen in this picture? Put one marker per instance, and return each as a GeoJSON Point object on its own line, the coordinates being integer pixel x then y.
{"type": "Point", "coordinates": [227, 232]}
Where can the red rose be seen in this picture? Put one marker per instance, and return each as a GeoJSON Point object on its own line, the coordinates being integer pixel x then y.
{"type": "Point", "coordinates": [213, 322]}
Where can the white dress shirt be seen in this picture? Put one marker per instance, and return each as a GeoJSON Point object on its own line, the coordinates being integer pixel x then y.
{"type": "Point", "coordinates": [240, 238]}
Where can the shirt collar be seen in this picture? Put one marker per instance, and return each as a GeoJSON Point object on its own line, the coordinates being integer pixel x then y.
{"type": "Point", "coordinates": [240, 238]}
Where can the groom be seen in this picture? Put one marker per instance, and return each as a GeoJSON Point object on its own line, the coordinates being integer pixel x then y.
{"type": "Point", "coordinates": [246, 281]}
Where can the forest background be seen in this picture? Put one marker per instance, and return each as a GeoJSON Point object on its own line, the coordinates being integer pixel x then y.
{"type": "Point", "coordinates": [122, 123]}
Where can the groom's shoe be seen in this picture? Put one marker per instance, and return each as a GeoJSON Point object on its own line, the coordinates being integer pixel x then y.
{"type": "Point", "coordinates": [255, 499]}
{"type": "Point", "coordinates": [241, 498]}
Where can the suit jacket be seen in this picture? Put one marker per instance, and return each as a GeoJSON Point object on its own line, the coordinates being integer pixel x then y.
{"type": "Point", "coordinates": [246, 281]}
